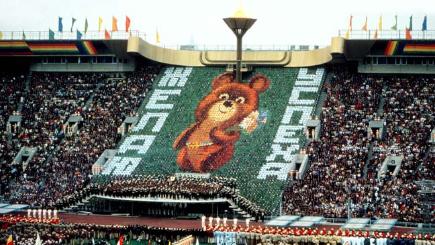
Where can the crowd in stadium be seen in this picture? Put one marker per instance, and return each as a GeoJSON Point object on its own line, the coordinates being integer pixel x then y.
{"type": "Point", "coordinates": [11, 92]}
{"type": "Point", "coordinates": [63, 164]}
{"type": "Point", "coordinates": [341, 173]}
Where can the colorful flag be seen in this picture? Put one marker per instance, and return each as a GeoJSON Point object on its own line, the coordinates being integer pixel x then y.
{"type": "Point", "coordinates": [10, 240]}
{"type": "Point", "coordinates": [121, 240]}
{"type": "Point", "coordinates": [79, 35]}
{"type": "Point", "coordinates": [375, 36]}
{"type": "Point", "coordinates": [157, 37]}
{"type": "Point", "coordinates": [350, 23]}
{"type": "Point", "coordinates": [100, 22]}
{"type": "Point", "coordinates": [86, 25]}
{"type": "Point", "coordinates": [408, 34]}
{"type": "Point", "coordinates": [59, 25]}
{"type": "Point", "coordinates": [106, 34]}
{"type": "Point", "coordinates": [127, 23]}
{"type": "Point", "coordinates": [380, 23]}
{"type": "Point", "coordinates": [394, 28]}
{"type": "Point", "coordinates": [50, 34]}
{"type": "Point", "coordinates": [72, 23]}
{"type": "Point", "coordinates": [424, 25]}
{"type": "Point", "coordinates": [114, 24]}
{"type": "Point", "coordinates": [364, 28]}
{"type": "Point", "coordinates": [410, 23]}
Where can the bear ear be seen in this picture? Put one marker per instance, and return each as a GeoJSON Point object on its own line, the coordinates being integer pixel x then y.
{"type": "Point", "coordinates": [222, 79]}
{"type": "Point", "coordinates": [259, 83]}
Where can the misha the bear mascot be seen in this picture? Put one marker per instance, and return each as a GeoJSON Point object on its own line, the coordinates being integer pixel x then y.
{"type": "Point", "coordinates": [208, 144]}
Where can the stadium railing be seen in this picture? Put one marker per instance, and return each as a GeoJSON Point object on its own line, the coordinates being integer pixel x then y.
{"type": "Point", "coordinates": [123, 35]}
{"type": "Point", "coordinates": [386, 34]}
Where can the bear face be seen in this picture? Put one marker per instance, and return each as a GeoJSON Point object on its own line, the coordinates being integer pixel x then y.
{"type": "Point", "coordinates": [230, 102]}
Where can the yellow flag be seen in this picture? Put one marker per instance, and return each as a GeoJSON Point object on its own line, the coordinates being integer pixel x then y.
{"type": "Point", "coordinates": [114, 24]}
{"type": "Point", "coordinates": [100, 22]}
{"type": "Point", "coordinates": [1, 35]}
{"type": "Point", "coordinates": [157, 37]}
{"type": "Point", "coordinates": [347, 34]}
{"type": "Point", "coordinates": [380, 23]}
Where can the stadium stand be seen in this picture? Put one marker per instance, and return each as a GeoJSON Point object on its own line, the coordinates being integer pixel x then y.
{"type": "Point", "coordinates": [63, 164]}
{"type": "Point", "coordinates": [341, 172]}
{"type": "Point", "coordinates": [11, 92]}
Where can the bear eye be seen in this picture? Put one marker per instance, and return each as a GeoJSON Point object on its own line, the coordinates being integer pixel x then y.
{"type": "Point", "coordinates": [240, 100]}
{"type": "Point", "coordinates": [224, 96]}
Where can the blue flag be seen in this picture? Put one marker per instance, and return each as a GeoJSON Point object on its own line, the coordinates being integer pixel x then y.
{"type": "Point", "coordinates": [60, 26]}
{"type": "Point", "coordinates": [410, 23]}
{"type": "Point", "coordinates": [424, 26]}
{"type": "Point", "coordinates": [79, 35]}
{"type": "Point", "coordinates": [50, 34]}
{"type": "Point", "coordinates": [72, 23]}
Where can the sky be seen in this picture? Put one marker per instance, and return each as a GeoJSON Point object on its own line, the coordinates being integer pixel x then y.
{"type": "Point", "coordinates": [279, 22]}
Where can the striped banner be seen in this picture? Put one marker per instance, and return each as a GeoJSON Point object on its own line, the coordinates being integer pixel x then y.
{"type": "Point", "coordinates": [57, 47]}
{"type": "Point", "coordinates": [423, 48]}
{"type": "Point", "coordinates": [391, 48]}
{"type": "Point", "coordinates": [70, 48]}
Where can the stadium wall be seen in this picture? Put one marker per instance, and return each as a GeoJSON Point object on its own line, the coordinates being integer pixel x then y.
{"type": "Point", "coordinates": [196, 58]}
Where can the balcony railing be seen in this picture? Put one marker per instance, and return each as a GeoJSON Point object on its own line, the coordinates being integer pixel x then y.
{"type": "Point", "coordinates": [67, 35]}
{"type": "Point", "coordinates": [387, 34]}
{"type": "Point", "coordinates": [122, 35]}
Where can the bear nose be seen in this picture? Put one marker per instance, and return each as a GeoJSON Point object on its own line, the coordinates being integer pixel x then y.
{"type": "Point", "coordinates": [228, 103]}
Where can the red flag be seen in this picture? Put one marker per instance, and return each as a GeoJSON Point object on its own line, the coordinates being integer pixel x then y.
{"type": "Point", "coordinates": [121, 240]}
{"type": "Point", "coordinates": [10, 240]}
{"type": "Point", "coordinates": [408, 34]}
{"type": "Point", "coordinates": [106, 34]}
{"type": "Point", "coordinates": [127, 23]}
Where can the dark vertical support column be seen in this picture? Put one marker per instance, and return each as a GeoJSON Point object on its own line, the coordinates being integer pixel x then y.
{"type": "Point", "coordinates": [239, 59]}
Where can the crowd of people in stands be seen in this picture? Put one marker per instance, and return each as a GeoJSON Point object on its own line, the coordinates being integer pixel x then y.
{"type": "Point", "coordinates": [336, 174]}
{"type": "Point", "coordinates": [341, 174]}
{"type": "Point", "coordinates": [53, 98]}
{"type": "Point", "coordinates": [63, 162]}
{"type": "Point", "coordinates": [11, 93]}
{"type": "Point", "coordinates": [409, 114]}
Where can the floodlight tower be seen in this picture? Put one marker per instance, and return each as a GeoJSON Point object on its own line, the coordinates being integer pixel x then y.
{"type": "Point", "coordinates": [239, 23]}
